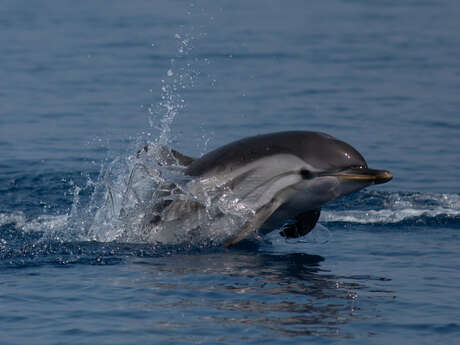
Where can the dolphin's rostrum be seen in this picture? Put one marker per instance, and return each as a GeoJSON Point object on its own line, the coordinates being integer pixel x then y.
{"type": "Point", "coordinates": [282, 178]}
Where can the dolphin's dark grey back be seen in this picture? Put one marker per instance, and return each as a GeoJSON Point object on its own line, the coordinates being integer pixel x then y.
{"type": "Point", "coordinates": [318, 149]}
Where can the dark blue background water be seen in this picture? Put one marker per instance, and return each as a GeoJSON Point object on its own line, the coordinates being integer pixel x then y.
{"type": "Point", "coordinates": [84, 83]}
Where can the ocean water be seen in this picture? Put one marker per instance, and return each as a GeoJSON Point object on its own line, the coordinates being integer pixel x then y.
{"type": "Point", "coordinates": [84, 85]}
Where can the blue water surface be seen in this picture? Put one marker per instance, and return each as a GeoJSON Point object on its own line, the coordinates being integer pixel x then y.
{"type": "Point", "coordinates": [84, 85]}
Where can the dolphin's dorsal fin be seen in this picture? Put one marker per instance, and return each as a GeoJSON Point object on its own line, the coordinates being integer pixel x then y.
{"type": "Point", "coordinates": [167, 156]}
{"type": "Point", "coordinates": [304, 223]}
{"type": "Point", "coordinates": [182, 159]}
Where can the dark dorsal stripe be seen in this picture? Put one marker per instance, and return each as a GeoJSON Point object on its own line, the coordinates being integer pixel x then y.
{"type": "Point", "coordinates": [318, 149]}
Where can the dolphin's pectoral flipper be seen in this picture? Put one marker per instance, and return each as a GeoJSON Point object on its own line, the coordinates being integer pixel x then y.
{"type": "Point", "coordinates": [246, 230]}
{"type": "Point", "coordinates": [250, 228]}
{"type": "Point", "coordinates": [304, 223]}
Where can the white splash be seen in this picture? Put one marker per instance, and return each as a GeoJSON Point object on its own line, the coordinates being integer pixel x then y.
{"type": "Point", "coordinates": [400, 207]}
{"type": "Point", "coordinates": [39, 223]}
{"type": "Point", "coordinates": [130, 194]}
{"type": "Point", "coordinates": [156, 203]}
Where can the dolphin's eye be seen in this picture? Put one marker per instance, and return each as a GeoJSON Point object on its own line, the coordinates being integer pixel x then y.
{"type": "Point", "coordinates": [306, 174]}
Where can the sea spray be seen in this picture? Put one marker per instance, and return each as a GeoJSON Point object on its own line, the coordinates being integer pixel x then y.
{"type": "Point", "coordinates": [131, 186]}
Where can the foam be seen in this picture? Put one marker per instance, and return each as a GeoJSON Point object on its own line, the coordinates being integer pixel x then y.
{"type": "Point", "coordinates": [120, 216]}
{"type": "Point", "coordinates": [400, 207]}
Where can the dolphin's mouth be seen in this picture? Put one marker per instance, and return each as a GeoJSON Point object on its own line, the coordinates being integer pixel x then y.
{"type": "Point", "coordinates": [362, 174]}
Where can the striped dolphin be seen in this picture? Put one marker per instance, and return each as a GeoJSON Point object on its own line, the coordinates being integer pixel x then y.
{"type": "Point", "coordinates": [284, 178]}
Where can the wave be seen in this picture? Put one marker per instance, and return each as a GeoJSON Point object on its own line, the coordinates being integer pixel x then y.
{"type": "Point", "coordinates": [108, 217]}
{"type": "Point", "coordinates": [41, 223]}
{"type": "Point", "coordinates": [395, 208]}
{"type": "Point", "coordinates": [119, 217]}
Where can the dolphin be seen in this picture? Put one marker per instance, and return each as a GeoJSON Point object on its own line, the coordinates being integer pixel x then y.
{"type": "Point", "coordinates": [283, 178]}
